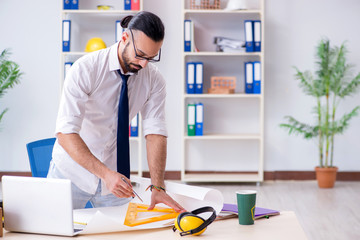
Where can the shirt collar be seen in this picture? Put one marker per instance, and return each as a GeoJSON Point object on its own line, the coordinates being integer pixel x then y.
{"type": "Point", "coordinates": [114, 63]}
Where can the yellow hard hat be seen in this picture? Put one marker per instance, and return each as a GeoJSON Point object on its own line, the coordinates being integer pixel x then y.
{"type": "Point", "coordinates": [104, 7]}
{"type": "Point", "coordinates": [95, 44]}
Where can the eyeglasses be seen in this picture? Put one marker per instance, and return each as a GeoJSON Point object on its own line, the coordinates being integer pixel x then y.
{"type": "Point", "coordinates": [152, 59]}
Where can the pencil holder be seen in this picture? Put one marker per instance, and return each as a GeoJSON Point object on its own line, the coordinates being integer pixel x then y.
{"type": "Point", "coordinates": [204, 4]}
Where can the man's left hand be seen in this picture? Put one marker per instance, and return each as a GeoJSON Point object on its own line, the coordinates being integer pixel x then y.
{"type": "Point", "coordinates": [162, 197]}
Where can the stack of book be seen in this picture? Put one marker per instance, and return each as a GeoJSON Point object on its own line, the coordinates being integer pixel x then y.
{"type": "Point", "coordinates": [224, 44]}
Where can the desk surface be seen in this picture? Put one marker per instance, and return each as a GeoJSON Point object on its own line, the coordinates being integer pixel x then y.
{"type": "Point", "coordinates": [283, 226]}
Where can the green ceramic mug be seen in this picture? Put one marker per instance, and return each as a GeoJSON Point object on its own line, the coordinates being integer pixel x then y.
{"type": "Point", "coordinates": [246, 200]}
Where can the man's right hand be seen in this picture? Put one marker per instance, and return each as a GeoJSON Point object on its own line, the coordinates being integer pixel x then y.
{"type": "Point", "coordinates": [116, 185]}
{"type": "Point", "coordinates": [78, 150]}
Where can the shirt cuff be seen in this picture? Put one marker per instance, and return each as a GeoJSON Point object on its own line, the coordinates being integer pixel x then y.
{"type": "Point", "coordinates": [68, 125]}
{"type": "Point", "coordinates": [154, 126]}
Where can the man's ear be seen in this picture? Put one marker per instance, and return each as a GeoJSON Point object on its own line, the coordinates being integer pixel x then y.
{"type": "Point", "coordinates": [125, 36]}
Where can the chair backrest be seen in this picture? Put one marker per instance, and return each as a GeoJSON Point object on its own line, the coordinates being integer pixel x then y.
{"type": "Point", "coordinates": [40, 154]}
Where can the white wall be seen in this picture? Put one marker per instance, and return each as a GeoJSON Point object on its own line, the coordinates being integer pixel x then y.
{"type": "Point", "coordinates": [32, 30]}
{"type": "Point", "coordinates": [293, 27]}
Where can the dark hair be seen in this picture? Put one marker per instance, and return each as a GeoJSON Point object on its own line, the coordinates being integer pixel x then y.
{"type": "Point", "coordinates": [147, 22]}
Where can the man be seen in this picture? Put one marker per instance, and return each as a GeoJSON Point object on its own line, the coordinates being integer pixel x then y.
{"type": "Point", "coordinates": [90, 148]}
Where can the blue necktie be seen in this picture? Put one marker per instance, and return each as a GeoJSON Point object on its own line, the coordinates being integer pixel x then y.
{"type": "Point", "coordinates": [123, 156]}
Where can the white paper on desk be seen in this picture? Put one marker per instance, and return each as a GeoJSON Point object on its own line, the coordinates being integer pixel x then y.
{"type": "Point", "coordinates": [190, 197]}
{"type": "Point", "coordinates": [111, 219]}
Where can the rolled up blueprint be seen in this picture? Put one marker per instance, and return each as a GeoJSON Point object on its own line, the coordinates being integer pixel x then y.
{"type": "Point", "coordinates": [111, 219]}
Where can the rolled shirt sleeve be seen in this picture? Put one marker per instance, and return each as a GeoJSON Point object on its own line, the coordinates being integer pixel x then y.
{"type": "Point", "coordinates": [153, 111]}
{"type": "Point", "coordinates": [72, 103]}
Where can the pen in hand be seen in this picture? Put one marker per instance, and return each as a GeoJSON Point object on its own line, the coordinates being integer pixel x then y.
{"type": "Point", "coordinates": [133, 189]}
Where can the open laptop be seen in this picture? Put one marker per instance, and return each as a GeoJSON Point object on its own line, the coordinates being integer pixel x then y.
{"type": "Point", "coordinates": [38, 205]}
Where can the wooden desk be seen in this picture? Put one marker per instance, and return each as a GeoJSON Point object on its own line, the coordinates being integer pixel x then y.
{"type": "Point", "coordinates": [284, 226]}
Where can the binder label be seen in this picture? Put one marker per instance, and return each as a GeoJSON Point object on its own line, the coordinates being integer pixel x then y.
{"type": "Point", "coordinates": [199, 113]}
{"type": "Point", "coordinates": [67, 67]}
{"type": "Point", "coordinates": [257, 71]}
{"type": "Point", "coordinates": [66, 31]}
{"type": "Point", "coordinates": [191, 115]}
{"type": "Point", "coordinates": [248, 31]}
{"type": "Point", "coordinates": [199, 73]}
{"type": "Point", "coordinates": [249, 73]}
{"type": "Point", "coordinates": [187, 31]}
{"type": "Point", "coordinates": [257, 31]}
{"type": "Point", "coordinates": [191, 71]}
{"type": "Point", "coordinates": [134, 122]}
{"type": "Point", "coordinates": [118, 31]}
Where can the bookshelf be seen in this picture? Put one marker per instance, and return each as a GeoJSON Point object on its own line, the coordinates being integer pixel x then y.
{"type": "Point", "coordinates": [88, 22]}
{"type": "Point", "coordinates": [232, 146]}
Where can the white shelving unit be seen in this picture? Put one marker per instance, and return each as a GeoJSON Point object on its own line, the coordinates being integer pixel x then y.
{"type": "Point", "coordinates": [235, 95]}
{"type": "Point", "coordinates": [232, 147]}
{"type": "Point", "coordinates": [100, 12]}
{"type": "Point", "coordinates": [221, 54]}
{"type": "Point", "coordinates": [88, 22]}
{"type": "Point", "coordinates": [220, 11]}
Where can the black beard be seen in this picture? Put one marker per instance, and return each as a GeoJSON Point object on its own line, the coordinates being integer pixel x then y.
{"type": "Point", "coordinates": [127, 63]}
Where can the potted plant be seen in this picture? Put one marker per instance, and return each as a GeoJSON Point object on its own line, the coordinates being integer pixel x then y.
{"type": "Point", "coordinates": [9, 76]}
{"type": "Point", "coordinates": [331, 84]}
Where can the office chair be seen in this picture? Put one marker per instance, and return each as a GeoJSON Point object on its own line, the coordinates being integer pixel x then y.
{"type": "Point", "coordinates": [40, 155]}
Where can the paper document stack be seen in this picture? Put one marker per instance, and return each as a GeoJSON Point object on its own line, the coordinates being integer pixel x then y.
{"type": "Point", "coordinates": [224, 44]}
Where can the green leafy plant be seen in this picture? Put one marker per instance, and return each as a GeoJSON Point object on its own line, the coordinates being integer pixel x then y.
{"type": "Point", "coordinates": [333, 82]}
{"type": "Point", "coordinates": [9, 75]}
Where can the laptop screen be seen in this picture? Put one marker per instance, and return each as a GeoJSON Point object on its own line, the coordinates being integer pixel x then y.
{"type": "Point", "coordinates": [37, 205]}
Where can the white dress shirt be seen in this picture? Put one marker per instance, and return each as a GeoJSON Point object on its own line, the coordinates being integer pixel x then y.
{"type": "Point", "coordinates": [89, 107]}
